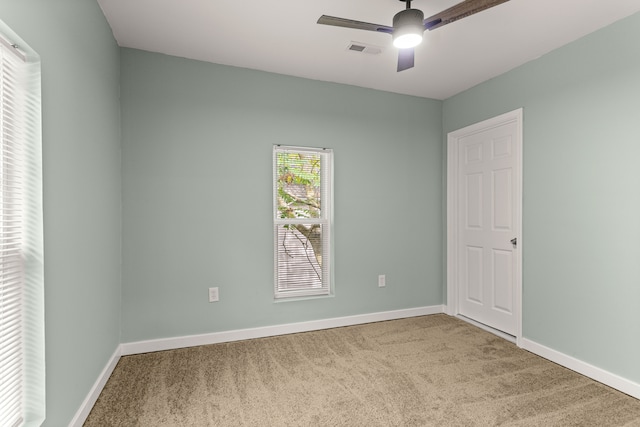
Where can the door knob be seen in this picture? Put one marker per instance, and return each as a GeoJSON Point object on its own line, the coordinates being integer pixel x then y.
{"type": "Point", "coordinates": [514, 242]}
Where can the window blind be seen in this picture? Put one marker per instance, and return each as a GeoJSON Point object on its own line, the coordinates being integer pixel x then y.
{"type": "Point", "coordinates": [12, 270]}
{"type": "Point", "coordinates": [302, 221]}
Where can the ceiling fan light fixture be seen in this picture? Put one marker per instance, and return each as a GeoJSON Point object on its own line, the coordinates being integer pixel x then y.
{"type": "Point", "coordinates": [408, 27]}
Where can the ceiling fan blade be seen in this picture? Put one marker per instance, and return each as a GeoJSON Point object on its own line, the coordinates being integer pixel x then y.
{"type": "Point", "coordinates": [459, 11]}
{"type": "Point", "coordinates": [350, 23]}
{"type": "Point", "coordinates": [405, 59]}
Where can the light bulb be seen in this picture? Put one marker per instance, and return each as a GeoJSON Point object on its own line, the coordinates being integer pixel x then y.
{"type": "Point", "coordinates": [406, 41]}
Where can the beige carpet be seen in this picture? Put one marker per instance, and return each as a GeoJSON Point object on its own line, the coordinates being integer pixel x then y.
{"type": "Point", "coordinates": [424, 371]}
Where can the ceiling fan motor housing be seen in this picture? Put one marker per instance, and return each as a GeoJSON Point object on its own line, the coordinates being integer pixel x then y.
{"type": "Point", "coordinates": [408, 21]}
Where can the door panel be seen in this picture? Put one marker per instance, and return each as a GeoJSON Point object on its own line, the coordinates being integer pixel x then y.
{"type": "Point", "coordinates": [502, 282]}
{"type": "Point", "coordinates": [475, 285]}
{"type": "Point", "coordinates": [487, 189]}
{"type": "Point", "coordinates": [502, 204]}
{"type": "Point", "coordinates": [474, 201]}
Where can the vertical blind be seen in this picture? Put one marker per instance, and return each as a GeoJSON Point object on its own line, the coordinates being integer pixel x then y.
{"type": "Point", "coordinates": [11, 239]}
{"type": "Point", "coordinates": [302, 221]}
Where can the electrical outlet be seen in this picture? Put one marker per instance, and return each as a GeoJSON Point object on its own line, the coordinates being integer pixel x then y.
{"type": "Point", "coordinates": [382, 281]}
{"type": "Point", "coordinates": [213, 295]}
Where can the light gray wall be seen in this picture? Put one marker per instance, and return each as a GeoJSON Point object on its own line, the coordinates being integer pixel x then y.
{"type": "Point", "coordinates": [197, 201]}
{"type": "Point", "coordinates": [81, 173]}
{"type": "Point", "coordinates": [581, 192]}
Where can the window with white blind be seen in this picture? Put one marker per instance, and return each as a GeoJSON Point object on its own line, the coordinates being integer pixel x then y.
{"type": "Point", "coordinates": [21, 279]}
{"type": "Point", "coordinates": [302, 221]}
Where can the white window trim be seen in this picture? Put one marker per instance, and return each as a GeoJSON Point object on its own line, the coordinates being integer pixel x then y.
{"type": "Point", "coordinates": [326, 221]}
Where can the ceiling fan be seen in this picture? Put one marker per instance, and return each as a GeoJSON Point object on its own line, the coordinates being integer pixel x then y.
{"type": "Point", "coordinates": [409, 25]}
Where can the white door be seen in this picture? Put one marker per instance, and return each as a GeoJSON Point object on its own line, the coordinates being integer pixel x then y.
{"type": "Point", "coordinates": [487, 221]}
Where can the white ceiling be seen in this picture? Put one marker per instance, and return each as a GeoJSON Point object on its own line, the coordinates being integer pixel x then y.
{"type": "Point", "coordinates": [282, 37]}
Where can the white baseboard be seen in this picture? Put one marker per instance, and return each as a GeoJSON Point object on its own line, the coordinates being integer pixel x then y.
{"type": "Point", "coordinates": [269, 331]}
{"type": "Point", "coordinates": [605, 377]}
{"type": "Point", "coordinates": [94, 393]}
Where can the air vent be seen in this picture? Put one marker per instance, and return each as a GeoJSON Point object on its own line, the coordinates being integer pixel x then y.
{"type": "Point", "coordinates": [364, 48]}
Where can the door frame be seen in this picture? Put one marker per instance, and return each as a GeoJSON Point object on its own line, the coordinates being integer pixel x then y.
{"type": "Point", "coordinates": [453, 139]}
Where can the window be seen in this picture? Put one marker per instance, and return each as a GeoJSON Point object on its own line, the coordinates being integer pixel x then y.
{"type": "Point", "coordinates": [21, 277]}
{"type": "Point", "coordinates": [302, 221]}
